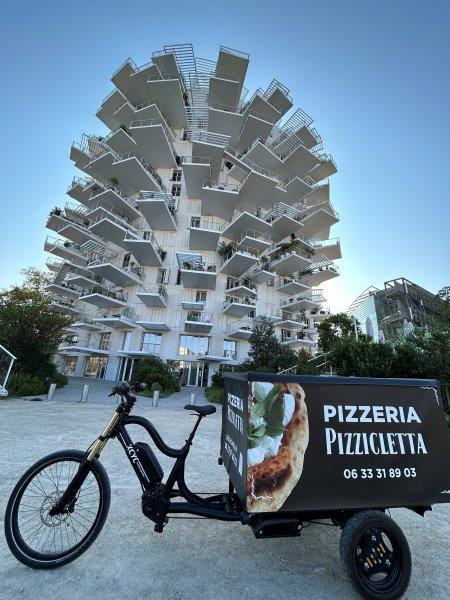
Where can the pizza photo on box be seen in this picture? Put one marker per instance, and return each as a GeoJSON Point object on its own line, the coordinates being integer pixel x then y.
{"type": "Point", "coordinates": [278, 435]}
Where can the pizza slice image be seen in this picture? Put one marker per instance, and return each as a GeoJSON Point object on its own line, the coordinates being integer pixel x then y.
{"type": "Point", "coordinates": [277, 442]}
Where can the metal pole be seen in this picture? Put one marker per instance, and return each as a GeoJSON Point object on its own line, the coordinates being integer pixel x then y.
{"type": "Point", "coordinates": [51, 391]}
{"type": "Point", "coordinates": [85, 392]}
{"type": "Point", "coordinates": [193, 400]}
{"type": "Point", "coordinates": [155, 398]}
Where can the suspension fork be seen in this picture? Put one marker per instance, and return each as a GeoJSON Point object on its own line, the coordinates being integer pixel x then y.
{"type": "Point", "coordinates": [68, 496]}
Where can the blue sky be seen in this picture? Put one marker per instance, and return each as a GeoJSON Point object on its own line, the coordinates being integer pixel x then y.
{"type": "Point", "coordinates": [374, 75]}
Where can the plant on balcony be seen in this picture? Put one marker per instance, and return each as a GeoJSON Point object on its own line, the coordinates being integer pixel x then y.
{"type": "Point", "coordinates": [67, 244]}
{"type": "Point", "coordinates": [309, 251]}
{"type": "Point", "coordinates": [172, 209]}
{"type": "Point", "coordinates": [193, 315]}
{"type": "Point", "coordinates": [56, 211]}
{"type": "Point", "coordinates": [162, 253]}
{"type": "Point", "coordinates": [225, 248]}
{"type": "Point", "coordinates": [178, 160]}
{"type": "Point", "coordinates": [125, 128]}
{"type": "Point", "coordinates": [228, 164]}
{"type": "Point", "coordinates": [187, 265]}
{"type": "Point", "coordinates": [185, 99]}
{"type": "Point", "coordinates": [114, 181]}
{"type": "Point", "coordinates": [211, 268]}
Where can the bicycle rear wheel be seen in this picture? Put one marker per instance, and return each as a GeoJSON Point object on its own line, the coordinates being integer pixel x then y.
{"type": "Point", "coordinates": [41, 541]}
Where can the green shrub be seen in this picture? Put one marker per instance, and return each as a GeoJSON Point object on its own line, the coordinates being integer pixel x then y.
{"type": "Point", "coordinates": [216, 395]}
{"type": "Point", "coordinates": [23, 384]}
{"type": "Point", "coordinates": [154, 370]}
{"type": "Point", "coordinates": [59, 378]}
{"type": "Point", "coordinates": [156, 387]}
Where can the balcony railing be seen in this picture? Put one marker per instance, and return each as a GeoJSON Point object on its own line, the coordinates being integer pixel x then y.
{"type": "Point", "coordinates": [209, 138]}
{"type": "Point", "coordinates": [246, 323]}
{"type": "Point", "coordinates": [226, 255]}
{"type": "Point", "coordinates": [260, 213]}
{"type": "Point", "coordinates": [218, 185]}
{"type": "Point", "coordinates": [147, 167]}
{"type": "Point", "coordinates": [209, 223]}
{"type": "Point", "coordinates": [224, 107]}
{"type": "Point", "coordinates": [199, 316]}
{"type": "Point", "coordinates": [252, 165]}
{"type": "Point", "coordinates": [83, 182]}
{"type": "Point", "coordinates": [119, 261]}
{"type": "Point", "coordinates": [148, 236]}
{"type": "Point", "coordinates": [279, 209]}
{"type": "Point", "coordinates": [168, 131]}
{"type": "Point", "coordinates": [158, 288]}
{"type": "Point", "coordinates": [164, 196]}
{"type": "Point", "coordinates": [229, 300]}
{"type": "Point", "coordinates": [58, 242]}
{"type": "Point", "coordinates": [196, 160]}
{"type": "Point", "coordinates": [315, 296]}
{"type": "Point", "coordinates": [193, 265]}
{"type": "Point", "coordinates": [257, 235]}
{"type": "Point", "coordinates": [233, 283]}
{"type": "Point", "coordinates": [77, 342]}
{"type": "Point", "coordinates": [309, 211]}
{"type": "Point", "coordinates": [118, 313]}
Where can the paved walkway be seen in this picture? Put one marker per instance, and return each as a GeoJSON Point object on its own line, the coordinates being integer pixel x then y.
{"type": "Point", "coordinates": [99, 390]}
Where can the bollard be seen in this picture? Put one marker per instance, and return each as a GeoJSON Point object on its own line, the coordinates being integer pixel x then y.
{"type": "Point", "coordinates": [85, 392]}
{"type": "Point", "coordinates": [193, 398]}
{"type": "Point", "coordinates": [155, 398]}
{"type": "Point", "coordinates": [51, 391]}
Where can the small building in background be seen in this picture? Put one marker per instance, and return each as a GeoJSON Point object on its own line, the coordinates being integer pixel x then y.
{"type": "Point", "coordinates": [389, 314]}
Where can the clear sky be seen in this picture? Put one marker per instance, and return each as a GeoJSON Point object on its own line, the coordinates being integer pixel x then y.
{"type": "Point", "coordinates": [374, 75]}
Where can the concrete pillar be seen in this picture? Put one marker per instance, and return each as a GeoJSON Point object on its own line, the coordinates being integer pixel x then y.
{"type": "Point", "coordinates": [51, 391]}
{"type": "Point", "coordinates": [85, 392]}
{"type": "Point", "coordinates": [193, 399]}
{"type": "Point", "coordinates": [155, 398]}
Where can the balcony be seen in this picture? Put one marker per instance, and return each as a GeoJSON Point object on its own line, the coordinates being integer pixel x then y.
{"type": "Point", "coordinates": [168, 91]}
{"type": "Point", "coordinates": [245, 218]}
{"type": "Point", "coordinates": [224, 88]}
{"type": "Point", "coordinates": [236, 261]}
{"type": "Point", "coordinates": [113, 199]}
{"type": "Point", "coordinates": [106, 113]}
{"type": "Point", "coordinates": [132, 80]}
{"type": "Point", "coordinates": [54, 264]}
{"type": "Point", "coordinates": [205, 143]}
{"type": "Point", "coordinates": [277, 95]}
{"type": "Point", "coordinates": [195, 274]}
{"type": "Point", "coordinates": [284, 221]}
{"type": "Point", "coordinates": [159, 210]}
{"type": "Point", "coordinates": [317, 276]}
{"type": "Point", "coordinates": [241, 328]}
{"type": "Point", "coordinates": [122, 318]}
{"type": "Point", "coordinates": [288, 259]}
{"type": "Point", "coordinates": [155, 320]}
{"type": "Point", "coordinates": [261, 154]}
{"type": "Point", "coordinates": [111, 225]}
{"type": "Point", "coordinates": [330, 248]}
{"type": "Point", "coordinates": [121, 141]}
{"type": "Point", "coordinates": [225, 120]}
{"type": "Point", "coordinates": [318, 218]}
{"type": "Point", "coordinates": [71, 227]}
{"type": "Point", "coordinates": [219, 199]}
{"type": "Point", "coordinates": [196, 170]}
{"type": "Point", "coordinates": [256, 126]}
{"type": "Point", "coordinates": [320, 314]}
{"type": "Point", "coordinates": [298, 339]}
{"type": "Point", "coordinates": [233, 62]}
{"type": "Point", "coordinates": [198, 322]}
{"type": "Point", "coordinates": [257, 185]}
{"type": "Point", "coordinates": [116, 268]}
{"type": "Point", "coordinates": [71, 306]}
{"type": "Point", "coordinates": [128, 112]}
{"type": "Point", "coordinates": [86, 323]}
{"type": "Point", "coordinates": [259, 104]}
{"type": "Point", "coordinates": [204, 233]}
{"type": "Point", "coordinates": [103, 299]}
{"type": "Point", "coordinates": [153, 296]}
{"type": "Point", "coordinates": [82, 188]}
{"type": "Point", "coordinates": [290, 286]}
{"type": "Point", "coordinates": [146, 250]}
{"type": "Point", "coordinates": [241, 287]}
{"type": "Point", "coordinates": [85, 346]}
{"type": "Point", "coordinates": [324, 169]}
{"type": "Point", "coordinates": [292, 322]}
{"type": "Point", "coordinates": [238, 306]}
{"type": "Point", "coordinates": [86, 281]}
{"type": "Point", "coordinates": [297, 187]}
{"type": "Point", "coordinates": [65, 249]}
{"type": "Point", "coordinates": [254, 239]}
{"type": "Point", "coordinates": [304, 301]}
{"type": "Point", "coordinates": [261, 273]}
{"type": "Point", "coordinates": [63, 289]}
{"type": "Point", "coordinates": [134, 174]}
{"type": "Point", "coordinates": [155, 141]}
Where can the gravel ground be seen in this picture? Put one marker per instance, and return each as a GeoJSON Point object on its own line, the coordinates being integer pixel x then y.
{"type": "Point", "coordinates": [192, 558]}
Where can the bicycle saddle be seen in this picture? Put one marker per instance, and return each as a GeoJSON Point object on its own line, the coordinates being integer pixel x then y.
{"type": "Point", "coordinates": [208, 409]}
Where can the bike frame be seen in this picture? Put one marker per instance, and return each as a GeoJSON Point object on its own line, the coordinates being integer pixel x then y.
{"type": "Point", "coordinates": [225, 507]}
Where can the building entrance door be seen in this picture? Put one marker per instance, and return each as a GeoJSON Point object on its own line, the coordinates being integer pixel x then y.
{"type": "Point", "coordinates": [193, 373]}
{"type": "Point", "coordinates": [95, 367]}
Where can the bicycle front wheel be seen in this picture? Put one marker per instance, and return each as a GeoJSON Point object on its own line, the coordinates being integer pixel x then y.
{"type": "Point", "coordinates": [42, 541]}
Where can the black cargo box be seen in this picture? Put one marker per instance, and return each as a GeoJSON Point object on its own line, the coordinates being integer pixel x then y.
{"type": "Point", "coordinates": [302, 443]}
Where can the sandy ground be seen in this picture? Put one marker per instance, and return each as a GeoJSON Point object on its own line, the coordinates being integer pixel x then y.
{"type": "Point", "coordinates": [192, 558]}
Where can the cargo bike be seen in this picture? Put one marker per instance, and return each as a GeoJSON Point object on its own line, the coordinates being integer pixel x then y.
{"type": "Point", "coordinates": [298, 450]}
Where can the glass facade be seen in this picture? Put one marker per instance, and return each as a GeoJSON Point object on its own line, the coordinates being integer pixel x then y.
{"type": "Point", "coordinates": [151, 342]}
{"type": "Point", "coordinates": [193, 345]}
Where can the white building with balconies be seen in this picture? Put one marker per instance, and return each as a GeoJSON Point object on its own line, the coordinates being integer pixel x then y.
{"type": "Point", "coordinates": [199, 211]}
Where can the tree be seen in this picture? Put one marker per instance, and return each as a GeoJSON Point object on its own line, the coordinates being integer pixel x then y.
{"type": "Point", "coordinates": [443, 307]}
{"type": "Point", "coordinates": [266, 353]}
{"type": "Point", "coordinates": [30, 327]}
{"type": "Point", "coordinates": [334, 328]}
{"type": "Point", "coordinates": [361, 358]}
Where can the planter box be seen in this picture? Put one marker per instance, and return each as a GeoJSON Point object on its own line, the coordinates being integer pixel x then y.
{"type": "Point", "coordinates": [302, 443]}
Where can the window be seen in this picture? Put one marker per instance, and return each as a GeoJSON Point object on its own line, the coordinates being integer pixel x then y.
{"type": "Point", "coordinates": [229, 349]}
{"type": "Point", "coordinates": [193, 345]}
{"type": "Point", "coordinates": [147, 235]}
{"type": "Point", "coordinates": [126, 260]}
{"type": "Point", "coordinates": [151, 342]}
{"type": "Point", "coordinates": [195, 222]}
{"type": "Point", "coordinates": [176, 189]}
{"type": "Point", "coordinates": [126, 340]}
{"type": "Point", "coordinates": [200, 296]}
{"type": "Point", "coordinates": [185, 135]}
{"type": "Point", "coordinates": [105, 341]}
{"type": "Point", "coordinates": [70, 364]}
{"type": "Point", "coordinates": [176, 175]}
